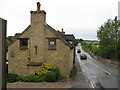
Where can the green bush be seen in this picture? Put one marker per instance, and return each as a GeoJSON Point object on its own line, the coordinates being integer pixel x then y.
{"type": "Point", "coordinates": [45, 68]}
{"type": "Point", "coordinates": [29, 78]}
{"type": "Point", "coordinates": [50, 76]}
{"type": "Point", "coordinates": [20, 78]}
{"type": "Point", "coordinates": [73, 72]}
{"type": "Point", "coordinates": [33, 78]}
{"type": "Point", "coordinates": [12, 78]}
{"type": "Point", "coordinates": [57, 72]}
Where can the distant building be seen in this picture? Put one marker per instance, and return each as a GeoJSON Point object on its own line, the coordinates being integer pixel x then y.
{"type": "Point", "coordinates": [40, 43]}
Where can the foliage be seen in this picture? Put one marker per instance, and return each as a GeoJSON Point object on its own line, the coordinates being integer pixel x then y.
{"type": "Point", "coordinates": [108, 34]}
{"type": "Point", "coordinates": [109, 41]}
{"type": "Point", "coordinates": [63, 75]}
{"type": "Point", "coordinates": [73, 72]}
{"type": "Point", "coordinates": [46, 72]}
{"type": "Point", "coordinates": [77, 41]}
{"type": "Point", "coordinates": [12, 78]}
{"type": "Point", "coordinates": [33, 78]}
{"type": "Point", "coordinates": [9, 39]}
{"type": "Point", "coordinates": [45, 68]}
{"type": "Point", "coordinates": [20, 78]}
{"type": "Point", "coordinates": [57, 73]}
{"type": "Point", "coordinates": [50, 76]}
{"type": "Point", "coordinates": [28, 78]}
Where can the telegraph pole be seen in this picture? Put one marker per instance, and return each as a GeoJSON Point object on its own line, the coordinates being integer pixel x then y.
{"type": "Point", "coordinates": [3, 24]}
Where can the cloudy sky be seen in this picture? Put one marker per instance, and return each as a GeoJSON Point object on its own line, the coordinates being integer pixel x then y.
{"type": "Point", "coordinates": [80, 17]}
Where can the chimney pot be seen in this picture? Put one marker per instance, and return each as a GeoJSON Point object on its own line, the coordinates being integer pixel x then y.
{"type": "Point", "coordinates": [62, 29]}
{"type": "Point", "coordinates": [38, 6]}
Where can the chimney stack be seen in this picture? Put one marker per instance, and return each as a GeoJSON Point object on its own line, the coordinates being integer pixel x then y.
{"type": "Point", "coordinates": [63, 32]}
{"type": "Point", "coordinates": [38, 6]}
{"type": "Point", "coordinates": [62, 29]}
{"type": "Point", "coordinates": [38, 16]}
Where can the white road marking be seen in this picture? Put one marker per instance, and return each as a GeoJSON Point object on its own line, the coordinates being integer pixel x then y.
{"type": "Point", "coordinates": [106, 71]}
{"type": "Point", "coordinates": [91, 81]}
{"type": "Point", "coordinates": [101, 68]}
{"type": "Point", "coordinates": [96, 65]}
{"type": "Point", "coordinates": [87, 75]}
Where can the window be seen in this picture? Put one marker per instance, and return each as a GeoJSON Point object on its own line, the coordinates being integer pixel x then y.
{"type": "Point", "coordinates": [23, 43]}
{"type": "Point", "coordinates": [51, 43]}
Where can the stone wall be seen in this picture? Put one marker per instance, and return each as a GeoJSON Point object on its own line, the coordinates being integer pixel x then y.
{"type": "Point", "coordinates": [37, 33]}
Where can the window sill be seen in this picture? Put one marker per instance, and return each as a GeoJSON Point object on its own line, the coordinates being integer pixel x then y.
{"type": "Point", "coordinates": [23, 48]}
{"type": "Point", "coordinates": [52, 49]}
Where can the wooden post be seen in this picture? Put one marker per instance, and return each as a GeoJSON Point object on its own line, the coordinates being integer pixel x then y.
{"type": "Point", "coordinates": [3, 54]}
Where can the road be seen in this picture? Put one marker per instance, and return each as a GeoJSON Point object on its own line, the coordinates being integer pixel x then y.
{"type": "Point", "coordinates": [99, 74]}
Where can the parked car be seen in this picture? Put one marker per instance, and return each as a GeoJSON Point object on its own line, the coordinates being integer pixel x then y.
{"type": "Point", "coordinates": [83, 56]}
{"type": "Point", "coordinates": [78, 51]}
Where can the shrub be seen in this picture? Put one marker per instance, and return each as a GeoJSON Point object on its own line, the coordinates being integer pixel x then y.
{"type": "Point", "coordinates": [12, 78]}
{"type": "Point", "coordinates": [44, 69]}
{"type": "Point", "coordinates": [29, 78]}
{"type": "Point", "coordinates": [73, 72]}
{"type": "Point", "coordinates": [50, 76]}
{"type": "Point", "coordinates": [63, 75]}
{"type": "Point", "coordinates": [20, 78]}
{"type": "Point", "coordinates": [57, 72]}
{"type": "Point", "coordinates": [33, 78]}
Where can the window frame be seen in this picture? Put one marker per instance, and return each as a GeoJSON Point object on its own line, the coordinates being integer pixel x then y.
{"type": "Point", "coordinates": [50, 46]}
{"type": "Point", "coordinates": [23, 46]}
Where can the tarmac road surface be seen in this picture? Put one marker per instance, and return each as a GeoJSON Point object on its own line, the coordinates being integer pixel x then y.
{"type": "Point", "coordinates": [100, 75]}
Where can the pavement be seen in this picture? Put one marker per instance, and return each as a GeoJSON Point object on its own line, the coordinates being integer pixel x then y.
{"type": "Point", "coordinates": [80, 81]}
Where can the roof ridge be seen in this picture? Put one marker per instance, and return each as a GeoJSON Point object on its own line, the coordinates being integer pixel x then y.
{"type": "Point", "coordinates": [60, 36]}
{"type": "Point", "coordinates": [19, 35]}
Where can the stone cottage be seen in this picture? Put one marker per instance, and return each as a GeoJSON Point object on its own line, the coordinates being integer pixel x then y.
{"type": "Point", "coordinates": [40, 43]}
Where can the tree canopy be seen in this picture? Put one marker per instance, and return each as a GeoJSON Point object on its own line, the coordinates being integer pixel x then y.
{"type": "Point", "coordinates": [9, 39]}
{"type": "Point", "coordinates": [109, 36]}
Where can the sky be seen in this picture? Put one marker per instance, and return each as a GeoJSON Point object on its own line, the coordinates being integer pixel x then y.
{"type": "Point", "coordinates": [79, 17]}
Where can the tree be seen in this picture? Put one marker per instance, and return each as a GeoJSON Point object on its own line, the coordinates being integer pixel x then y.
{"type": "Point", "coordinates": [108, 36]}
{"type": "Point", "coordinates": [118, 49]}
{"type": "Point", "coordinates": [77, 41]}
{"type": "Point", "coordinates": [8, 41]}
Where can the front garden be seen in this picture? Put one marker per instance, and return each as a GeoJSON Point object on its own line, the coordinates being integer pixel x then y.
{"type": "Point", "coordinates": [46, 72]}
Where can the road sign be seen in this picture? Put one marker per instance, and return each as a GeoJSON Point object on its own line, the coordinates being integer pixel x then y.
{"type": "Point", "coordinates": [3, 24]}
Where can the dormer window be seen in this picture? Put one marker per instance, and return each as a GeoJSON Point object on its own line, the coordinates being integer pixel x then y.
{"type": "Point", "coordinates": [23, 43]}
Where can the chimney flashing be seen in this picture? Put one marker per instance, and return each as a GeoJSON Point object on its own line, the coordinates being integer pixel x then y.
{"type": "Point", "coordinates": [36, 12]}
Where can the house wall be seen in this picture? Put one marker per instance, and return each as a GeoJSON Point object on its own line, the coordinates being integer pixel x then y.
{"type": "Point", "coordinates": [17, 64]}
{"type": "Point", "coordinates": [37, 33]}
{"type": "Point", "coordinates": [61, 57]}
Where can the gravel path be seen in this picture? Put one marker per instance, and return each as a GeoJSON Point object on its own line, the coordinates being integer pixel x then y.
{"type": "Point", "coordinates": [61, 84]}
